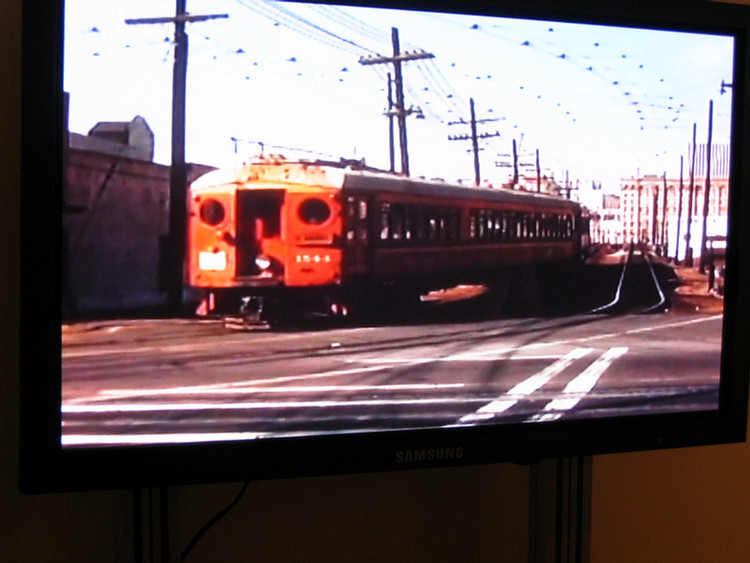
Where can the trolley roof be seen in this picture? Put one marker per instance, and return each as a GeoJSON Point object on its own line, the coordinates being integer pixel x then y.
{"type": "Point", "coordinates": [355, 176]}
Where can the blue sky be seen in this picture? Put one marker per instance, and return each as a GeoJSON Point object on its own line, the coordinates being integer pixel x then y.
{"type": "Point", "coordinates": [598, 103]}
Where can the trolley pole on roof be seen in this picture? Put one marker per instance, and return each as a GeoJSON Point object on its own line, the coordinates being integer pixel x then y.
{"type": "Point", "coordinates": [177, 240]}
{"type": "Point", "coordinates": [399, 110]}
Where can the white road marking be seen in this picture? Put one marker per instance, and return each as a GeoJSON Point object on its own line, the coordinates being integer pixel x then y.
{"type": "Point", "coordinates": [245, 389]}
{"type": "Point", "coordinates": [575, 390]}
{"type": "Point", "coordinates": [607, 335]}
{"type": "Point", "coordinates": [579, 387]}
{"type": "Point", "coordinates": [490, 356]}
{"type": "Point", "coordinates": [319, 375]}
{"type": "Point", "coordinates": [518, 352]}
{"type": "Point", "coordinates": [525, 388]}
{"type": "Point", "coordinates": [94, 350]}
{"type": "Point", "coordinates": [254, 405]}
{"type": "Point", "coordinates": [133, 439]}
{"type": "Point", "coordinates": [69, 353]}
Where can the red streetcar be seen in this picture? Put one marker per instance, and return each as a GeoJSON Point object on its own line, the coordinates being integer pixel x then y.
{"type": "Point", "coordinates": [282, 236]}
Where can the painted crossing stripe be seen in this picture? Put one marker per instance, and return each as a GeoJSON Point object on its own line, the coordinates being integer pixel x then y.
{"type": "Point", "coordinates": [579, 387]}
{"type": "Point", "coordinates": [525, 388]}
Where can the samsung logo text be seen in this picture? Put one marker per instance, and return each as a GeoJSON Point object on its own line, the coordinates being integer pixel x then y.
{"type": "Point", "coordinates": [431, 454]}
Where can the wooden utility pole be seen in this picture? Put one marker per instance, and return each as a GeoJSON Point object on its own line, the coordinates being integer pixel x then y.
{"type": "Point", "coordinates": [707, 191]}
{"type": "Point", "coordinates": [654, 214]}
{"type": "Point", "coordinates": [391, 147]}
{"type": "Point", "coordinates": [664, 237]}
{"type": "Point", "coordinates": [691, 195]}
{"type": "Point", "coordinates": [177, 240]}
{"type": "Point", "coordinates": [399, 110]}
{"type": "Point", "coordinates": [679, 215]}
{"type": "Point", "coordinates": [474, 137]}
{"type": "Point", "coordinates": [474, 142]}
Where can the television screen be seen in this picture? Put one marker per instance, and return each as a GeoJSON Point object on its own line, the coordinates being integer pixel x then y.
{"type": "Point", "coordinates": [243, 266]}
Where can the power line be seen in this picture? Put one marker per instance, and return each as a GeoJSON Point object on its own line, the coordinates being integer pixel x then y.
{"type": "Point", "coordinates": [348, 21]}
{"type": "Point", "coordinates": [283, 16]}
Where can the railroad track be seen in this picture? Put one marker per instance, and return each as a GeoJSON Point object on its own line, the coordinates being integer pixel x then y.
{"type": "Point", "coordinates": [639, 289]}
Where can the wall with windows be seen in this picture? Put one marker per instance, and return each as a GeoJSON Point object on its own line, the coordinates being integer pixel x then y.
{"type": "Point", "coordinates": [653, 206]}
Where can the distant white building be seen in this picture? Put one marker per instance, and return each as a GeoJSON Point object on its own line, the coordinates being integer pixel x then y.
{"type": "Point", "coordinates": [657, 210]}
{"type": "Point", "coordinates": [610, 220]}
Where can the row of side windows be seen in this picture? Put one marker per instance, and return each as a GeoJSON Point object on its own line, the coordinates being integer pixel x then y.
{"type": "Point", "coordinates": [418, 224]}
{"type": "Point", "coordinates": [519, 225]}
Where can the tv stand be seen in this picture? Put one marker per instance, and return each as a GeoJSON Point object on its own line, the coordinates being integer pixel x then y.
{"type": "Point", "coordinates": [560, 510]}
{"type": "Point", "coordinates": [559, 515]}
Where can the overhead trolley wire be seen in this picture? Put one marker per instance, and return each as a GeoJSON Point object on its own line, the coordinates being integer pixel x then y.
{"type": "Point", "coordinates": [266, 11]}
{"type": "Point", "coordinates": [282, 15]}
{"type": "Point", "coordinates": [352, 23]}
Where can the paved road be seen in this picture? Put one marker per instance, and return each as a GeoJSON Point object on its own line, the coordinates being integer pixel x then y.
{"type": "Point", "coordinates": [149, 381]}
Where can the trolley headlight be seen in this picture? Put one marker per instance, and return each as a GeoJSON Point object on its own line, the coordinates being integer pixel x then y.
{"type": "Point", "coordinates": [263, 262]}
{"type": "Point", "coordinates": [314, 211]}
{"type": "Point", "coordinates": [212, 261]}
{"type": "Point", "coordinates": [212, 212]}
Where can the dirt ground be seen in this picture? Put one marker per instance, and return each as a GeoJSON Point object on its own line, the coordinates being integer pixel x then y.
{"type": "Point", "coordinates": [694, 293]}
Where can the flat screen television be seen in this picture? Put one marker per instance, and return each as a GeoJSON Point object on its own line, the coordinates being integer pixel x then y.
{"type": "Point", "coordinates": [242, 267]}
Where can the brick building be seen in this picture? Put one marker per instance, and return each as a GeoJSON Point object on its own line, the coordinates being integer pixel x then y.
{"type": "Point", "coordinates": [115, 220]}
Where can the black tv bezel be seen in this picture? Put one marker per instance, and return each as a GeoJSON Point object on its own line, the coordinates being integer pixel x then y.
{"type": "Point", "coordinates": [46, 467]}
